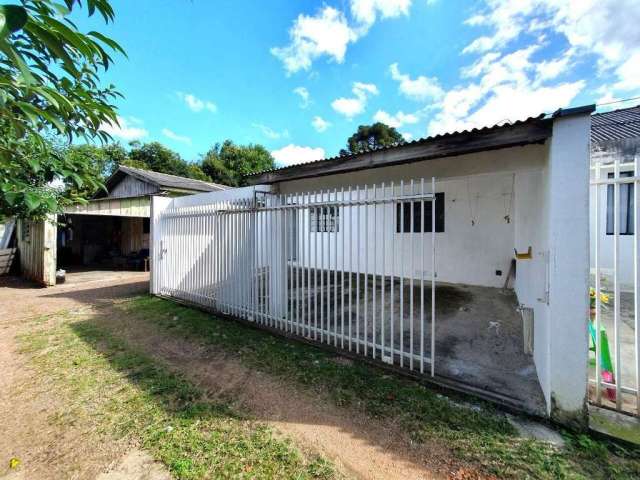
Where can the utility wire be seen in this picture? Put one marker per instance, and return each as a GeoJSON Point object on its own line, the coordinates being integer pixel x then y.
{"type": "Point", "coordinates": [617, 101]}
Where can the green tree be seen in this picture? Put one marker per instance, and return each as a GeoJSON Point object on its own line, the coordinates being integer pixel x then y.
{"type": "Point", "coordinates": [228, 163]}
{"type": "Point", "coordinates": [155, 156]}
{"type": "Point", "coordinates": [369, 137]}
{"type": "Point", "coordinates": [49, 72]}
{"type": "Point", "coordinates": [100, 160]}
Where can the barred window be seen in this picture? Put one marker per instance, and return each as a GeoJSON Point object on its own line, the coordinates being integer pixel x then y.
{"type": "Point", "coordinates": [626, 206]}
{"type": "Point", "coordinates": [325, 219]}
{"type": "Point", "coordinates": [403, 216]}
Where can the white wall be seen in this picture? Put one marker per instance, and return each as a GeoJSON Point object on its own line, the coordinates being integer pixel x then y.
{"type": "Point", "coordinates": [480, 191]}
{"type": "Point", "coordinates": [564, 381]}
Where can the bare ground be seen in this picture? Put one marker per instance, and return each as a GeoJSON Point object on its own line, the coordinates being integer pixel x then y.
{"type": "Point", "coordinates": [359, 446]}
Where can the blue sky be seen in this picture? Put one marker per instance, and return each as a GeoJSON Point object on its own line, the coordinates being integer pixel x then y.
{"type": "Point", "coordinates": [300, 76]}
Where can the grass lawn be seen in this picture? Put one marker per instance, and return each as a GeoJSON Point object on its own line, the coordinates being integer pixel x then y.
{"type": "Point", "coordinates": [127, 395]}
{"type": "Point", "coordinates": [198, 438]}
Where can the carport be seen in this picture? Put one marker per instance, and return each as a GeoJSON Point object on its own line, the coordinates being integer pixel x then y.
{"type": "Point", "coordinates": [109, 232]}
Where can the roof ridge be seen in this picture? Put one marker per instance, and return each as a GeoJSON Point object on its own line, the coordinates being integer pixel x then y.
{"type": "Point", "coordinates": [616, 110]}
{"type": "Point", "coordinates": [171, 175]}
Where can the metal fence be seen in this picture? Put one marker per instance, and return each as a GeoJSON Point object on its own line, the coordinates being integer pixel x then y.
{"type": "Point", "coordinates": [615, 313]}
{"type": "Point", "coordinates": [353, 268]}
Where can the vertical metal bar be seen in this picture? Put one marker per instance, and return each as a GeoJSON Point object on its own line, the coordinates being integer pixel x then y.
{"type": "Point", "coordinates": [336, 221]}
{"type": "Point", "coordinates": [366, 269]}
{"type": "Point", "coordinates": [307, 214]}
{"type": "Point", "coordinates": [394, 223]}
{"type": "Point", "coordinates": [374, 270]}
{"type": "Point", "coordinates": [402, 272]}
{"type": "Point", "coordinates": [422, 255]}
{"type": "Point", "coordinates": [298, 262]}
{"type": "Point", "coordinates": [321, 231]}
{"type": "Point", "coordinates": [342, 231]}
{"type": "Point", "coordinates": [316, 214]}
{"type": "Point", "coordinates": [598, 287]}
{"type": "Point", "coordinates": [383, 273]}
{"type": "Point", "coordinates": [358, 250]}
{"type": "Point", "coordinates": [286, 279]}
{"type": "Point", "coordinates": [350, 243]}
{"type": "Point", "coordinates": [411, 268]}
{"type": "Point", "coordinates": [433, 276]}
{"type": "Point", "coordinates": [616, 281]}
{"type": "Point", "coordinates": [636, 273]}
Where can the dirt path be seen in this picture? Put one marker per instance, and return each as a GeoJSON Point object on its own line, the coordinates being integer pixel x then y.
{"type": "Point", "coordinates": [359, 446]}
{"type": "Point", "coordinates": [29, 405]}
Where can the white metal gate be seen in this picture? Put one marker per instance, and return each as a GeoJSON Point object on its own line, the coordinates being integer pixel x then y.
{"type": "Point", "coordinates": [615, 313]}
{"type": "Point", "coordinates": [324, 265]}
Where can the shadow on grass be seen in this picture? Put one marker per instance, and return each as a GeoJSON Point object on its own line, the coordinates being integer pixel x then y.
{"type": "Point", "coordinates": [194, 436]}
{"type": "Point", "coordinates": [473, 431]}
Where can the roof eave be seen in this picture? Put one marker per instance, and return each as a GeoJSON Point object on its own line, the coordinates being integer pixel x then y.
{"type": "Point", "coordinates": [532, 131]}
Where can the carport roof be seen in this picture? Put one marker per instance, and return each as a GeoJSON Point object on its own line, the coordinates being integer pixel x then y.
{"type": "Point", "coordinates": [163, 181]}
{"type": "Point", "coordinates": [523, 132]}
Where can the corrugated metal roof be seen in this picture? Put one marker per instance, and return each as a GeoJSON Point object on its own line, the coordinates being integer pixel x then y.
{"type": "Point", "coordinates": [411, 143]}
{"type": "Point", "coordinates": [160, 180]}
{"type": "Point", "coordinates": [172, 181]}
{"type": "Point", "coordinates": [616, 124]}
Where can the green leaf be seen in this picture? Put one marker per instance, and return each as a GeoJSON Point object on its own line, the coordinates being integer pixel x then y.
{"type": "Point", "coordinates": [32, 200]}
{"type": "Point", "coordinates": [12, 19]}
{"type": "Point", "coordinates": [17, 60]}
{"type": "Point", "coordinates": [108, 41]}
{"type": "Point", "coordinates": [11, 197]}
{"type": "Point", "coordinates": [33, 162]}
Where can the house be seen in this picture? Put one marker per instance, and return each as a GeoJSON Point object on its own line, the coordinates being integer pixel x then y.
{"type": "Point", "coordinates": [461, 259]}
{"type": "Point", "coordinates": [106, 231]}
{"type": "Point", "coordinates": [615, 137]}
{"type": "Point", "coordinates": [615, 259]}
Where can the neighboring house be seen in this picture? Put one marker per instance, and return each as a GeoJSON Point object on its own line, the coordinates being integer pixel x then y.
{"type": "Point", "coordinates": [329, 252]}
{"type": "Point", "coordinates": [111, 230]}
{"type": "Point", "coordinates": [615, 136]}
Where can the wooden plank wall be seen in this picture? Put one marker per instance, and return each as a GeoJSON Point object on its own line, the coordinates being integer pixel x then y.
{"type": "Point", "coordinates": [37, 246]}
{"type": "Point", "coordinates": [132, 187]}
{"type": "Point", "coordinates": [118, 207]}
{"type": "Point", "coordinates": [6, 259]}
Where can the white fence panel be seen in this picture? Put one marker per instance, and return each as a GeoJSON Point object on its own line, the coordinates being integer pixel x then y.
{"type": "Point", "coordinates": [615, 313]}
{"type": "Point", "coordinates": [320, 265]}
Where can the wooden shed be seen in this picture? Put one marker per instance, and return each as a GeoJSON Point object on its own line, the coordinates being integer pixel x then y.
{"type": "Point", "coordinates": [111, 231]}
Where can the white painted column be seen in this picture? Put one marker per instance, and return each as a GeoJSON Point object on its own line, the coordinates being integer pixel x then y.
{"type": "Point", "coordinates": [158, 205]}
{"type": "Point", "coordinates": [568, 223]}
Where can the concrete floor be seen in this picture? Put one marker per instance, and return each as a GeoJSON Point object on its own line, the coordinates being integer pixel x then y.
{"type": "Point", "coordinates": [479, 339]}
{"type": "Point", "coordinates": [627, 349]}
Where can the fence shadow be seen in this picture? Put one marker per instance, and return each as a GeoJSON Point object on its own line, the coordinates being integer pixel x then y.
{"type": "Point", "coordinates": [209, 374]}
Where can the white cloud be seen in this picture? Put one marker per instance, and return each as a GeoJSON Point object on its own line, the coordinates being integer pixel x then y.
{"type": "Point", "coordinates": [124, 130]}
{"type": "Point", "coordinates": [396, 121]}
{"type": "Point", "coordinates": [606, 29]}
{"type": "Point", "coordinates": [407, 136]}
{"type": "Point", "coordinates": [196, 104]}
{"type": "Point", "coordinates": [325, 33]}
{"type": "Point", "coordinates": [550, 69]}
{"type": "Point", "coordinates": [629, 74]}
{"type": "Point", "coordinates": [503, 88]}
{"type": "Point", "coordinates": [506, 103]}
{"type": "Point", "coordinates": [320, 124]}
{"type": "Point", "coordinates": [419, 89]}
{"type": "Point", "coordinates": [174, 136]}
{"type": "Point", "coordinates": [270, 132]}
{"type": "Point", "coordinates": [304, 96]}
{"type": "Point", "coordinates": [294, 154]}
{"type": "Point", "coordinates": [352, 106]}
{"type": "Point", "coordinates": [367, 11]}
{"type": "Point", "coordinates": [329, 32]}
